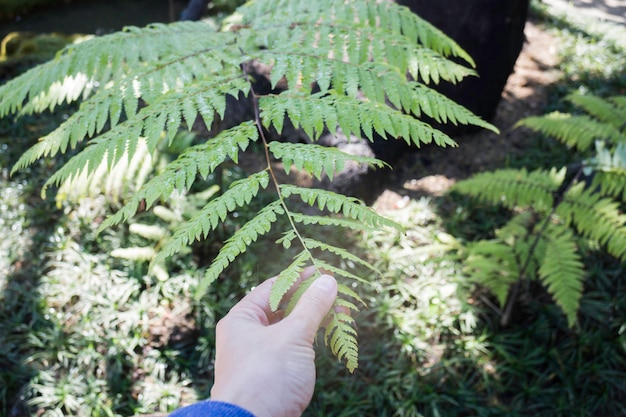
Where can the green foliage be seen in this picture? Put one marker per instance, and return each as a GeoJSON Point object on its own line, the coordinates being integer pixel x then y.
{"type": "Point", "coordinates": [358, 66]}
{"type": "Point", "coordinates": [556, 213]}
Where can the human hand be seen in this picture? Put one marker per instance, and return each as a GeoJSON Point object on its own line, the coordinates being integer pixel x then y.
{"type": "Point", "coordinates": [265, 363]}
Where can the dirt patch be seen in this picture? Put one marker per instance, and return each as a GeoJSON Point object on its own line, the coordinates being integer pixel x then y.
{"type": "Point", "coordinates": [432, 170]}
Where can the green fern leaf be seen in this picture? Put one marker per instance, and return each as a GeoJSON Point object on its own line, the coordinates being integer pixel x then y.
{"type": "Point", "coordinates": [239, 194]}
{"type": "Point", "coordinates": [562, 270]}
{"type": "Point", "coordinates": [330, 221]}
{"type": "Point", "coordinates": [441, 108]}
{"type": "Point", "coordinates": [389, 16]}
{"type": "Point", "coordinates": [340, 336]}
{"type": "Point", "coordinates": [335, 250]}
{"type": "Point", "coordinates": [180, 174]}
{"type": "Point", "coordinates": [601, 109]}
{"type": "Point", "coordinates": [512, 188]}
{"type": "Point", "coordinates": [315, 159]}
{"type": "Point", "coordinates": [151, 121]}
{"type": "Point", "coordinates": [493, 264]}
{"type": "Point", "coordinates": [287, 278]}
{"type": "Point", "coordinates": [575, 131]}
{"type": "Point", "coordinates": [596, 218]}
{"type": "Point", "coordinates": [104, 59]}
{"type": "Point", "coordinates": [295, 59]}
{"type": "Point", "coordinates": [611, 184]}
{"type": "Point", "coordinates": [238, 243]}
{"type": "Point", "coordinates": [336, 203]}
{"type": "Point", "coordinates": [352, 116]}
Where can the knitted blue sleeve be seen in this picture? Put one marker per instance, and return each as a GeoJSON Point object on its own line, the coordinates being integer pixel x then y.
{"type": "Point", "coordinates": [211, 409]}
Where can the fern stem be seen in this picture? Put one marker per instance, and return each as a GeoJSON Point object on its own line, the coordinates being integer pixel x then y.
{"type": "Point", "coordinates": [506, 316]}
{"type": "Point", "coordinates": [268, 160]}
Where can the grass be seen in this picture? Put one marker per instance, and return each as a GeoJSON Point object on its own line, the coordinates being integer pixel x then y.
{"type": "Point", "coordinates": [85, 334]}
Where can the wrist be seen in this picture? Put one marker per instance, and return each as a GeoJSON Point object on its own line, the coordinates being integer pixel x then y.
{"type": "Point", "coordinates": [247, 401]}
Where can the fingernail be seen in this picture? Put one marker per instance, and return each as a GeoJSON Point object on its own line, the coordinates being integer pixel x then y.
{"type": "Point", "coordinates": [325, 282]}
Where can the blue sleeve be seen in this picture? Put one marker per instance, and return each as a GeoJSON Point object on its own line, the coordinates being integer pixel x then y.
{"type": "Point", "coordinates": [211, 409]}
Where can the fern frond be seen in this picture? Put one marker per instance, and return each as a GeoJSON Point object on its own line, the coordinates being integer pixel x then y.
{"type": "Point", "coordinates": [238, 243]}
{"type": "Point", "coordinates": [342, 253]}
{"type": "Point", "coordinates": [339, 272]}
{"type": "Point", "coordinates": [239, 194]}
{"type": "Point", "coordinates": [340, 336]}
{"type": "Point", "coordinates": [511, 188]}
{"type": "Point", "coordinates": [331, 221]}
{"type": "Point", "coordinates": [601, 109]}
{"type": "Point", "coordinates": [596, 218]}
{"type": "Point", "coordinates": [389, 16]}
{"type": "Point", "coordinates": [164, 115]}
{"type": "Point", "coordinates": [576, 131]}
{"type": "Point", "coordinates": [315, 159]}
{"type": "Point", "coordinates": [611, 184]}
{"type": "Point", "coordinates": [287, 278]}
{"type": "Point", "coordinates": [441, 108]}
{"type": "Point", "coordinates": [620, 102]}
{"type": "Point", "coordinates": [493, 264]}
{"type": "Point", "coordinates": [336, 203]}
{"type": "Point", "coordinates": [352, 116]}
{"type": "Point", "coordinates": [123, 179]}
{"type": "Point", "coordinates": [92, 63]}
{"type": "Point", "coordinates": [181, 173]}
{"type": "Point", "coordinates": [378, 81]}
{"type": "Point", "coordinates": [296, 59]}
{"type": "Point", "coordinates": [562, 270]}
{"type": "Point", "coordinates": [610, 170]}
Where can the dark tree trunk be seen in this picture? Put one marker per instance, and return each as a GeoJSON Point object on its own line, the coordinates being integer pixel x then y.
{"type": "Point", "coordinates": [194, 10]}
{"type": "Point", "coordinates": [491, 31]}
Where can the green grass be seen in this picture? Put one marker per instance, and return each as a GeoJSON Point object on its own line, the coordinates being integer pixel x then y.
{"type": "Point", "coordinates": [85, 334]}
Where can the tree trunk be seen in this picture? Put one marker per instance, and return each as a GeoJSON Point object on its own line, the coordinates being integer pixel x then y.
{"type": "Point", "coordinates": [491, 31]}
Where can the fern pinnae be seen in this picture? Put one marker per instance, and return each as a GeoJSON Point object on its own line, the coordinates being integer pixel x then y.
{"type": "Point", "coordinates": [375, 44]}
{"type": "Point", "coordinates": [493, 264]}
{"type": "Point", "coordinates": [312, 244]}
{"type": "Point", "coordinates": [340, 337]}
{"type": "Point", "coordinates": [103, 58]}
{"type": "Point", "coordinates": [287, 278]}
{"type": "Point", "coordinates": [353, 117]}
{"type": "Point", "coordinates": [596, 218]}
{"type": "Point", "coordinates": [562, 271]}
{"type": "Point", "coordinates": [239, 242]}
{"type": "Point", "coordinates": [391, 17]}
{"type": "Point", "coordinates": [576, 131]}
{"type": "Point", "coordinates": [331, 221]}
{"type": "Point", "coordinates": [603, 110]}
{"type": "Point", "coordinates": [340, 272]}
{"type": "Point", "coordinates": [199, 160]}
{"type": "Point", "coordinates": [511, 188]}
{"type": "Point", "coordinates": [316, 159]}
{"type": "Point", "coordinates": [239, 194]}
{"type": "Point", "coordinates": [163, 115]}
{"type": "Point", "coordinates": [336, 203]}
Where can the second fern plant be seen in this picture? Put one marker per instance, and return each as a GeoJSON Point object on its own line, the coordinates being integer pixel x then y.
{"type": "Point", "coordinates": [556, 211]}
{"type": "Point", "coordinates": [359, 66]}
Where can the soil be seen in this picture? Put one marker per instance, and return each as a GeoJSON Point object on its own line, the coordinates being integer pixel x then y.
{"type": "Point", "coordinates": [433, 170]}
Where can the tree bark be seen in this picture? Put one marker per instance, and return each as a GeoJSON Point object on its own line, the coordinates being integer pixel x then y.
{"type": "Point", "coordinates": [491, 31]}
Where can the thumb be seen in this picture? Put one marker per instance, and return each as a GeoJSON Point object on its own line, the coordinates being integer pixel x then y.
{"type": "Point", "coordinates": [315, 304]}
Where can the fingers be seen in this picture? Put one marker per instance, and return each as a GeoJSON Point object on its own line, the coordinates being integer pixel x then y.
{"type": "Point", "coordinates": [315, 304]}
{"type": "Point", "coordinates": [256, 303]}
{"type": "Point", "coordinates": [311, 308]}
